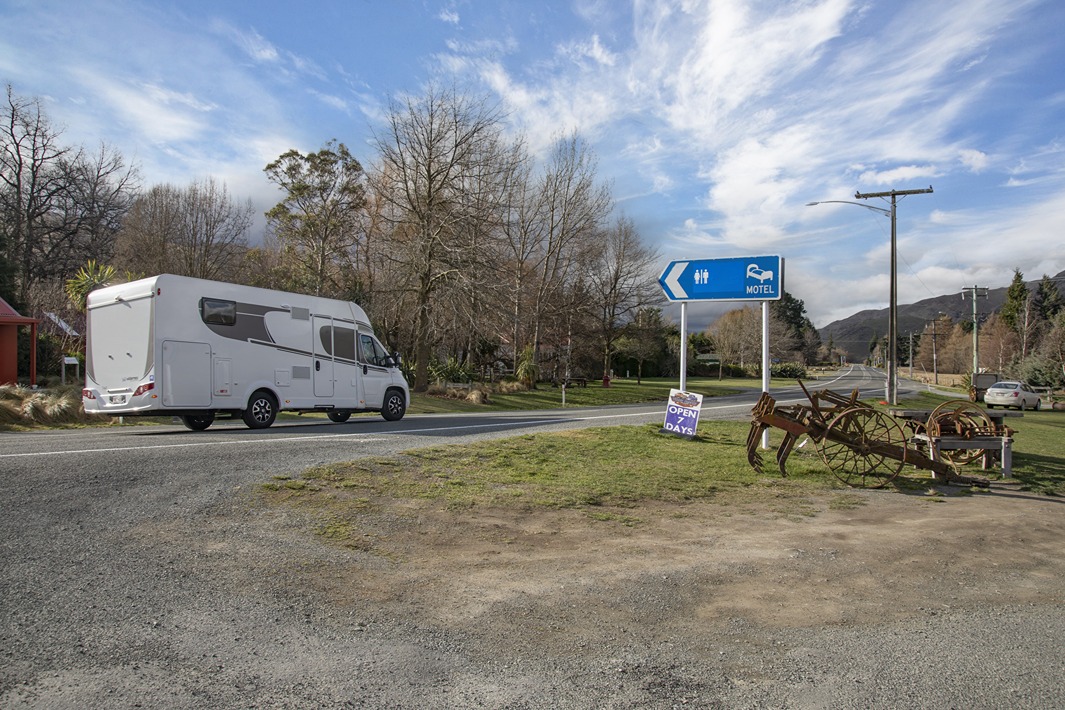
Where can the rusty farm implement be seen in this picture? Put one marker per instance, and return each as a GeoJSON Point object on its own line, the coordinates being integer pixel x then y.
{"type": "Point", "coordinates": [866, 447]}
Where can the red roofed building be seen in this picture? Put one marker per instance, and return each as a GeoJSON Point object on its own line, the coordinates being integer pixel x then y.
{"type": "Point", "coordinates": [10, 322]}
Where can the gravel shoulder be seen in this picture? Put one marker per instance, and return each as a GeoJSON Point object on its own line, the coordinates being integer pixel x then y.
{"type": "Point", "coordinates": [119, 593]}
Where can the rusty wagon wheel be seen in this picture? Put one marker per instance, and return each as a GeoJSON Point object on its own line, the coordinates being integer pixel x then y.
{"type": "Point", "coordinates": [959, 418]}
{"type": "Point", "coordinates": [863, 447]}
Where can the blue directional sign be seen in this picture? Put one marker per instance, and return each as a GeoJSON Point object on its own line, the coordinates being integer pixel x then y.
{"type": "Point", "coordinates": [744, 278]}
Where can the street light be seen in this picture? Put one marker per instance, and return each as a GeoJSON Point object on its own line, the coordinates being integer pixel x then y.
{"type": "Point", "coordinates": [893, 345]}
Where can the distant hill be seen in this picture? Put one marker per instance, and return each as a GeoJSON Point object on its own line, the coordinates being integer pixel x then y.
{"type": "Point", "coordinates": [854, 333]}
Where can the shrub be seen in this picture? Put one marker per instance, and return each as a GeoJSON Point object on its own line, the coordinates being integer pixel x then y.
{"type": "Point", "coordinates": [527, 370]}
{"type": "Point", "coordinates": [788, 370]}
{"type": "Point", "coordinates": [450, 371]}
{"type": "Point", "coordinates": [1040, 372]}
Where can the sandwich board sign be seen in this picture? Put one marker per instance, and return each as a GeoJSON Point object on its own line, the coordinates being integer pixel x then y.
{"type": "Point", "coordinates": [682, 413]}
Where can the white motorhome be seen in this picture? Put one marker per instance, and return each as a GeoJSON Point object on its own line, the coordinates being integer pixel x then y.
{"type": "Point", "coordinates": [172, 345]}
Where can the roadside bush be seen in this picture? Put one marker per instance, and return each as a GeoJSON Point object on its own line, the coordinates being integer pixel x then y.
{"type": "Point", "coordinates": [1040, 372]}
{"type": "Point", "coordinates": [788, 370]}
{"type": "Point", "coordinates": [449, 371]}
{"type": "Point", "coordinates": [527, 370]}
{"type": "Point", "coordinates": [733, 371]}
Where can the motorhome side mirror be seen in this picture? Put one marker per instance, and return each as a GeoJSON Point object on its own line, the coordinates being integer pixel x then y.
{"type": "Point", "coordinates": [396, 359]}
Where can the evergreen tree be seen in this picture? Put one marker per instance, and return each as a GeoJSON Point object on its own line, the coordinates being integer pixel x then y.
{"type": "Point", "coordinates": [1048, 299]}
{"type": "Point", "coordinates": [1016, 300]}
{"type": "Point", "coordinates": [792, 312]}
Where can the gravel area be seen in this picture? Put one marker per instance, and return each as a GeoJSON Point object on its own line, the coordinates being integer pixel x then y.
{"type": "Point", "coordinates": [143, 582]}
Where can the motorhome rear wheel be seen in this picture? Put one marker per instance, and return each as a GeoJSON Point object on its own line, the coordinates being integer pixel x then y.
{"type": "Point", "coordinates": [197, 422]}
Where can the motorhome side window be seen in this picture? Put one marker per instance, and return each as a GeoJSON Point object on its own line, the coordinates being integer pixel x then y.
{"type": "Point", "coordinates": [216, 312]}
{"type": "Point", "coordinates": [372, 353]}
{"type": "Point", "coordinates": [344, 343]}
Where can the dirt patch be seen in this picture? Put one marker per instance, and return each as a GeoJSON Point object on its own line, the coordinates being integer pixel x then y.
{"type": "Point", "coordinates": [560, 580]}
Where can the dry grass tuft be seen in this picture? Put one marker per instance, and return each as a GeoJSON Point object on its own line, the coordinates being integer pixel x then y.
{"type": "Point", "coordinates": [22, 406]}
{"type": "Point", "coordinates": [13, 393]}
{"type": "Point", "coordinates": [511, 386]}
{"type": "Point", "coordinates": [10, 411]}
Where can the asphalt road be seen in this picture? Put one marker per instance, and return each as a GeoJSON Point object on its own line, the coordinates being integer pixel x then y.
{"type": "Point", "coordinates": [229, 447]}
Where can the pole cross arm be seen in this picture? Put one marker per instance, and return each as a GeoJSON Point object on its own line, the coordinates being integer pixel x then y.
{"type": "Point", "coordinates": [891, 193]}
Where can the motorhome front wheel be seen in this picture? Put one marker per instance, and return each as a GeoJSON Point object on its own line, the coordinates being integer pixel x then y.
{"type": "Point", "coordinates": [261, 411]}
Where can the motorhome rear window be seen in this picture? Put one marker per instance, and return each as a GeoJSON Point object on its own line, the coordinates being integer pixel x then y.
{"type": "Point", "coordinates": [216, 312]}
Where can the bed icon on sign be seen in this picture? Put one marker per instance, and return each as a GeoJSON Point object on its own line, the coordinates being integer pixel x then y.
{"type": "Point", "coordinates": [753, 272]}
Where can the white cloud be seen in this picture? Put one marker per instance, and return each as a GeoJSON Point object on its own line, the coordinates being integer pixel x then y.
{"type": "Point", "coordinates": [155, 113]}
{"type": "Point", "coordinates": [591, 49]}
{"type": "Point", "coordinates": [900, 174]}
{"type": "Point", "coordinates": [254, 45]}
{"type": "Point", "coordinates": [330, 100]}
{"type": "Point", "coordinates": [974, 160]}
{"type": "Point", "coordinates": [449, 15]}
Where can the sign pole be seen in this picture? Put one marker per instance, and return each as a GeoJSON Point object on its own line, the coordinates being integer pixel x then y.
{"type": "Point", "coordinates": [765, 363]}
{"type": "Point", "coordinates": [683, 346]}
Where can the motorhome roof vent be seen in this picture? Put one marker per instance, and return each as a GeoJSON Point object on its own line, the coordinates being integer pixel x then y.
{"type": "Point", "coordinates": [301, 313]}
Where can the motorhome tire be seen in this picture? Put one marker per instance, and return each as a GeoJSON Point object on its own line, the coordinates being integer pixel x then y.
{"type": "Point", "coordinates": [197, 422]}
{"type": "Point", "coordinates": [261, 411]}
{"type": "Point", "coordinates": [394, 407]}
{"type": "Point", "coordinates": [339, 417]}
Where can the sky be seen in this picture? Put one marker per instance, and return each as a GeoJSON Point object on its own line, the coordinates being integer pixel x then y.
{"type": "Point", "coordinates": [715, 122]}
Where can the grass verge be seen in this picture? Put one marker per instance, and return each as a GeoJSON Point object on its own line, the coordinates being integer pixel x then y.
{"type": "Point", "coordinates": [617, 474]}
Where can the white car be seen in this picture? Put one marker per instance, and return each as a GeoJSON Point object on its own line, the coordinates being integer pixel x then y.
{"type": "Point", "coordinates": [1011, 394]}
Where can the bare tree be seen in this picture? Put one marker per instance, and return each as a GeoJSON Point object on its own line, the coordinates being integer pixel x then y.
{"type": "Point", "coordinates": [621, 282]}
{"type": "Point", "coordinates": [522, 228]}
{"type": "Point", "coordinates": [1000, 344]}
{"type": "Point", "coordinates": [214, 231]}
{"type": "Point", "coordinates": [738, 335]}
{"type": "Point", "coordinates": [433, 151]}
{"type": "Point", "coordinates": [147, 242]}
{"type": "Point", "coordinates": [58, 205]}
{"type": "Point", "coordinates": [197, 231]}
{"type": "Point", "coordinates": [572, 207]}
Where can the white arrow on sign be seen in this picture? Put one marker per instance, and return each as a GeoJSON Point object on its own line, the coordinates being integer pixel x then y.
{"type": "Point", "coordinates": [673, 280]}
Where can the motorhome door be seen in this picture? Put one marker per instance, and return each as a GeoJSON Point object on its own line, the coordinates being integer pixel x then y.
{"type": "Point", "coordinates": [375, 373]}
{"type": "Point", "coordinates": [322, 369]}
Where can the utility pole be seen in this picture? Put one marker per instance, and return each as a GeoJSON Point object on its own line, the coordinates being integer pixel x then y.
{"type": "Point", "coordinates": [935, 364]}
{"type": "Point", "coordinates": [911, 354]}
{"type": "Point", "coordinates": [893, 345]}
{"type": "Point", "coordinates": [975, 292]}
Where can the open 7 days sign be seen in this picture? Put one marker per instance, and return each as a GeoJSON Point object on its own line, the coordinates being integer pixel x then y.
{"type": "Point", "coordinates": [682, 413]}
